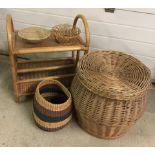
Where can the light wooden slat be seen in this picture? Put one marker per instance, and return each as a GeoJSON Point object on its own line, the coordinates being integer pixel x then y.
{"type": "Point", "coordinates": [49, 49]}
{"type": "Point", "coordinates": [45, 78]}
{"type": "Point", "coordinates": [44, 68]}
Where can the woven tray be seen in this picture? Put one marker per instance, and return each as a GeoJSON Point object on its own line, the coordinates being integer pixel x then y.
{"type": "Point", "coordinates": [34, 34]}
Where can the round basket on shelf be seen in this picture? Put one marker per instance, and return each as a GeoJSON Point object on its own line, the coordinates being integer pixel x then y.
{"type": "Point", "coordinates": [52, 108]}
{"type": "Point", "coordinates": [109, 92]}
{"type": "Point", "coordinates": [65, 33]}
{"type": "Point", "coordinates": [34, 34]}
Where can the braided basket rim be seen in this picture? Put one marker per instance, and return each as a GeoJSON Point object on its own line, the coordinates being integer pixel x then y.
{"type": "Point", "coordinates": [48, 105]}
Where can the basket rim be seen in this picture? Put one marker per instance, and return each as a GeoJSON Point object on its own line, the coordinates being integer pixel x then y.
{"type": "Point", "coordinates": [48, 105]}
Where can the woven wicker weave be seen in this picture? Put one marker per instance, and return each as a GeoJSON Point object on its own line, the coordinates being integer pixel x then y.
{"type": "Point", "coordinates": [28, 87]}
{"type": "Point", "coordinates": [109, 92]}
{"type": "Point", "coordinates": [52, 105]}
{"type": "Point", "coordinates": [65, 33]}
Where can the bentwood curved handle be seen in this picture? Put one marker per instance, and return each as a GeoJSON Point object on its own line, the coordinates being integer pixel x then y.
{"type": "Point", "coordinates": [86, 26]}
{"type": "Point", "coordinates": [10, 31]}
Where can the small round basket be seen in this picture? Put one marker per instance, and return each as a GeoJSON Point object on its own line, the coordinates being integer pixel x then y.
{"type": "Point", "coordinates": [65, 33]}
{"type": "Point", "coordinates": [52, 108]}
{"type": "Point", "coordinates": [34, 34]}
{"type": "Point", "coordinates": [109, 92]}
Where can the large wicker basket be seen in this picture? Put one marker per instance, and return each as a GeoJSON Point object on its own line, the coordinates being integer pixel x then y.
{"type": "Point", "coordinates": [52, 105]}
{"type": "Point", "coordinates": [109, 92]}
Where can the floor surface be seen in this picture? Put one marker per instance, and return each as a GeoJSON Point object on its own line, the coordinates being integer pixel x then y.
{"type": "Point", "coordinates": [17, 127]}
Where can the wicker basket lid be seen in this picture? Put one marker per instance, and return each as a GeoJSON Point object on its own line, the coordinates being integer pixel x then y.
{"type": "Point", "coordinates": [113, 75]}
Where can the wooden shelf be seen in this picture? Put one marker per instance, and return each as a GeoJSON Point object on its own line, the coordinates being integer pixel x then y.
{"type": "Point", "coordinates": [46, 78]}
{"type": "Point", "coordinates": [44, 65]}
{"type": "Point", "coordinates": [27, 74]}
{"type": "Point", "coordinates": [31, 72]}
{"type": "Point", "coordinates": [38, 69]}
{"type": "Point", "coordinates": [44, 69]}
{"type": "Point", "coordinates": [49, 45]}
{"type": "Point", "coordinates": [27, 87]}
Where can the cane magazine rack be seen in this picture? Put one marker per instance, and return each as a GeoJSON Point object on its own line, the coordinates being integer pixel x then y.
{"type": "Point", "coordinates": [26, 74]}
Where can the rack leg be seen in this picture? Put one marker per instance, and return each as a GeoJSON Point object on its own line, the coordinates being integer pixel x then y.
{"type": "Point", "coordinates": [17, 98]}
{"type": "Point", "coordinates": [13, 60]}
{"type": "Point", "coordinates": [77, 56]}
{"type": "Point", "coordinates": [73, 54]}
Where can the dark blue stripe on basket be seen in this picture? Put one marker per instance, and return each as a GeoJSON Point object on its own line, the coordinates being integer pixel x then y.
{"type": "Point", "coordinates": [48, 112]}
{"type": "Point", "coordinates": [45, 118]}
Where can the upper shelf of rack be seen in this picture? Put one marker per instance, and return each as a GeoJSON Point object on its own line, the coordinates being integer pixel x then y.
{"type": "Point", "coordinates": [18, 46]}
{"type": "Point", "coordinates": [48, 45]}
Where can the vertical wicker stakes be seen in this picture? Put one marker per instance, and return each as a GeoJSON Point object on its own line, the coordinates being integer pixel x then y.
{"type": "Point", "coordinates": [109, 92]}
{"type": "Point", "coordinates": [52, 105]}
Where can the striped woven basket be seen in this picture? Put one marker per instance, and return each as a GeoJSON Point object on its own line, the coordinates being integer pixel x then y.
{"type": "Point", "coordinates": [52, 108]}
{"type": "Point", "coordinates": [109, 92]}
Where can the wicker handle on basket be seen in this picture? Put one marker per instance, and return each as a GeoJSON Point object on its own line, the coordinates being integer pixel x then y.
{"type": "Point", "coordinates": [87, 32]}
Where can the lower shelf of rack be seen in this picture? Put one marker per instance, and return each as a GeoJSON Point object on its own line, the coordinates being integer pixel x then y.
{"type": "Point", "coordinates": [28, 87]}
{"type": "Point", "coordinates": [31, 72]}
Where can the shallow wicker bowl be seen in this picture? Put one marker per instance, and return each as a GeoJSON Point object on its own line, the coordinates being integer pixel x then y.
{"type": "Point", "coordinates": [65, 33]}
{"type": "Point", "coordinates": [34, 34]}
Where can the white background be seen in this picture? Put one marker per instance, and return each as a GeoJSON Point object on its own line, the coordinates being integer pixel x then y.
{"type": "Point", "coordinates": [72, 4]}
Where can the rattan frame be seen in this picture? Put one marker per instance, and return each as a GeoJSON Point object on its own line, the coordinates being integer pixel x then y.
{"type": "Point", "coordinates": [27, 87]}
